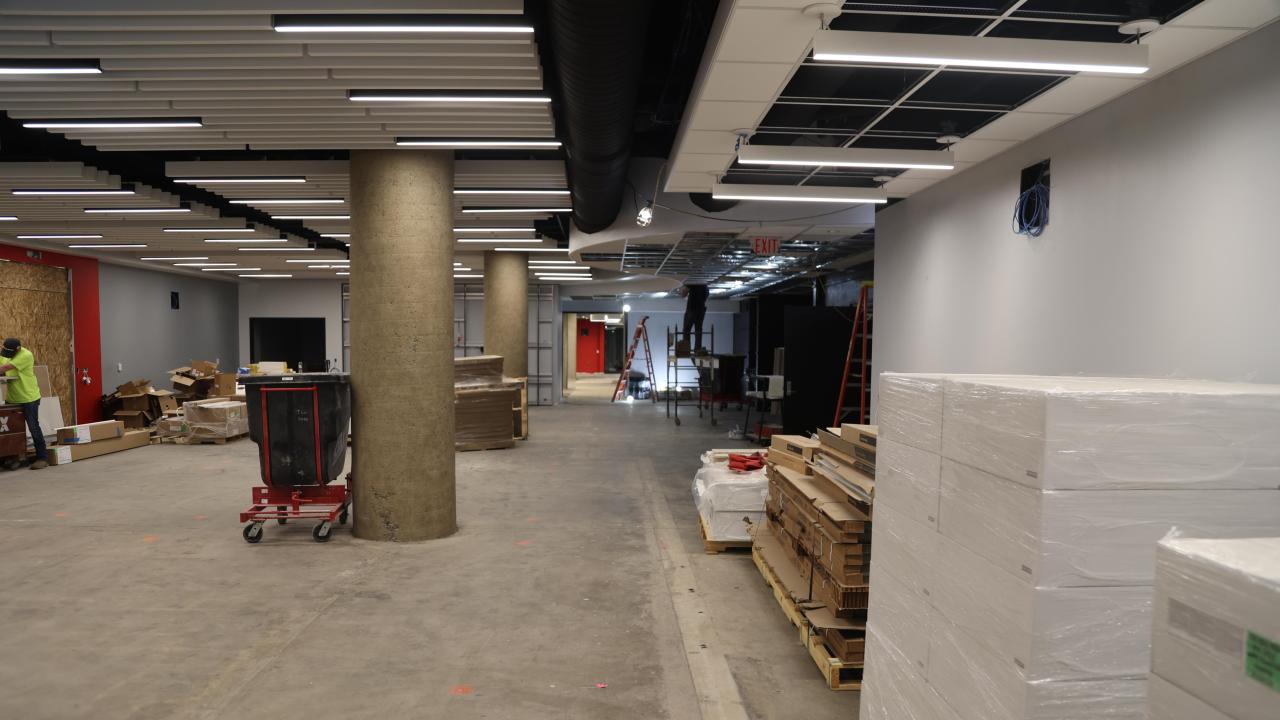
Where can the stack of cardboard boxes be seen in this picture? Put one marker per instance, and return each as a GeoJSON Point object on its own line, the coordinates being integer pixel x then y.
{"type": "Point", "coordinates": [201, 380]}
{"type": "Point", "coordinates": [1215, 652]}
{"type": "Point", "coordinates": [138, 405]}
{"type": "Point", "coordinates": [81, 442]}
{"type": "Point", "coordinates": [1015, 534]}
{"type": "Point", "coordinates": [486, 405]}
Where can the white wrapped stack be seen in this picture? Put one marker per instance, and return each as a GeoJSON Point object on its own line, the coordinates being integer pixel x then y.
{"type": "Point", "coordinates": [727, 500]}
{"type": "Point", "coordinates": [1216, 645]}
{"type": "Point", "coordinates": [1015, 533]}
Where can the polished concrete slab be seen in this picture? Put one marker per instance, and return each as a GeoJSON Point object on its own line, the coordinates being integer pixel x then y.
{"type": "Point", "coordinates": [576, 587]}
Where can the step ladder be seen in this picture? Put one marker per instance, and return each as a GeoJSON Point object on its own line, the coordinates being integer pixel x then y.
{"type": "Point", "coordinates": [855, 381]}
{"type": "Point", "coordinates": [641, 335]}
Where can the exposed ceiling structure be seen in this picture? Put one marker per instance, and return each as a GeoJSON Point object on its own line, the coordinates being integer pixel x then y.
{"type": "Point", "coordinates": [761, 82]}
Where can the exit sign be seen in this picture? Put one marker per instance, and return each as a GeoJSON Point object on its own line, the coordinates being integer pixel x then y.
{"type": "Point", "coordinates": [764, 245]}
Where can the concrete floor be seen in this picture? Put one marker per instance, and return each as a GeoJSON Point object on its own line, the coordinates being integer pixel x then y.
{"type": "Point", "coordinates": [126, 591]}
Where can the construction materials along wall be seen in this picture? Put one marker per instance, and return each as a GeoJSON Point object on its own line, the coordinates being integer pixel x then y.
{"type": "Point", "coordinates": [35, 308]}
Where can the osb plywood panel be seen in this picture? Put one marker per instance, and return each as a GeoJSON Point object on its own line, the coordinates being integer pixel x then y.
{"type": "Point", "coordinates": [35, 308]}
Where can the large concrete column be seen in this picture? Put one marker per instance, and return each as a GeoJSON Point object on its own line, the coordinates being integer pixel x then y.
{"type": "Point", "coordinates": [402, 343]}
{"type": "Point", "coordinates": [506, 310]}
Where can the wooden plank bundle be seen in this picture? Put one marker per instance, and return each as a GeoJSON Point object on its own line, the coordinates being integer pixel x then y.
{"type": "Point", "coordinates": [483, 403]}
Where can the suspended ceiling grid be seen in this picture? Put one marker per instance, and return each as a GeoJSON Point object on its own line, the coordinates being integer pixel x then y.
{"type": "Point", "coordinates": [259, 89]}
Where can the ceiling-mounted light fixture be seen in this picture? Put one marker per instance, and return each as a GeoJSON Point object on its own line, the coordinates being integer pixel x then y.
{"type": "Point", "coordinates": [845, 157]}
{"type": "Point", "coordinates": [212, 231]}
{"type": "Point", "coordinates": [8, 218]}
{"type": "Point", "coordinates": [311, 217]}
{"type": "Point", "coordinates": [188, 257]}
{"type": "Point", "coordinates": [336, 236]}
{"type": "Point", "coordinates": [46, 66]}
{"type": "Point", "coordinates": [516, 210]}
{"type": "Point", "coordinates": [981, 52]}
{"type": "Point", "coordinates": [229, 269]}
{"type": "Point", "coordinates": [246, 240]}
{"type": "Point", "coordinates": [416, 23]}
{"type": "Point", "coordinates": [510, 191]}
{"type": "Point", "coordinates": [87, 191]}
{"type": "Point", "coordinates": [499, 240]}
{"type": "Point", "coordinates": [114, 123]}
{"type": "Point", "coordinates": [291, 201]}
{"type": "Point", "coordinates": [107, 246]}
{"type": "Point", "coordinates": [266, 275]}
{"type": "Point", "coordinates": [203, 264]}
{"type": "Point", "coordinates": [449, 97]}
{"type": "Point", "coordinates": [260, 180]}
{"type": "Point", "coordinates": [798, 193]}
{"type": "Point", "coordinates": [530, 249]}
{"type": "Point", "coordinates": [274, 249]}
{"type": "Point", "coordinates": [645, 216]}
{"type": "Point", "coordinates": [478, 144]}
{"type": "Point", "coordinates": [59, 237]}
{"type": "Point", "coordinates": [136, 211]}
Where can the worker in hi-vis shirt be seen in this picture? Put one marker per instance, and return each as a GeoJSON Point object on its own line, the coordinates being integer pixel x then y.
{"type": "Point", "coordinates": [22, 389]}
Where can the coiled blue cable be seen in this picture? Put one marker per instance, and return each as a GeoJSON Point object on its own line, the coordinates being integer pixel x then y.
{"type": "Point", "coordinates": [1031, 211]}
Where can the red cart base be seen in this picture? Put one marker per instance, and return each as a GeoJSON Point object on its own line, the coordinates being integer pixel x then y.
{"type": "Point", "coordinates": [325, 503]}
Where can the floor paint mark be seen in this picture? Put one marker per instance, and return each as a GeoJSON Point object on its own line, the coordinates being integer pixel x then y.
{"type": "Point", "coordinates": [60, 514]}
{"type": "Point", "coordinates": [523, 543]}
{"type": "Point", "coordinates": [199, 517]}
{"type": "Point", "coordinates": [150, 538]}
{"type": "Point", "coordinates": [531, 519]}
{"type": "Point", "coordinates": [602, 685]}
{"type": "Point", "coordinates": [462, 690]}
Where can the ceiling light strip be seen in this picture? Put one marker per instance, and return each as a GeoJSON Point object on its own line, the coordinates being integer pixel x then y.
{"type": "Point", "coordinates": [114, 123]}
{"type": "Point", "coordinates": [470, 144]}
{"type": "Point", "coordinates": [846, 157]}
{"type": "Point", "coordinates": [798, 193]}
{"type": "Point", "coordinates": [414, 23]}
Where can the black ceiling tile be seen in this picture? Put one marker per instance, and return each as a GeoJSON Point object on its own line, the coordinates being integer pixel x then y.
{"type": "Point", "coordinates": [941, 25]}
{"type": "Point", "coordinates": [940, 122]}
{"type": "Point", "coordinates": [1107, 10]}
{"type": "Point", "coordinates": [824, 180]}
{"type": "Point", "coordinates": [747, 178]}
{"type": "Point", "coordinates": [765, 136]}
{"type": "Point", "coordinates": [897, 142]}
{"type": "Point", "coordinates": [844, 81]}
{"type": "Point", "coordinates": [1082, 32]}
{"type": "Point", "coordinates": [834, 118]}
{"type": "Point", "coordinates": [996, 90]}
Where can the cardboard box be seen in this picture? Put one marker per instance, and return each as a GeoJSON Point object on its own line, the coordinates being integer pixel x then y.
{"type": "Point", "coordinates": [64, 454]}
{"type": "Point", "coordinates": [894, 689]}
{"type": "Point", "coordinates": [89, 432]}
{"type": "Point", "coordinates": [216, 418]}
{"type": "Point", "coordinates": [910, 410]}
{"type": "Point", "coordinates": [1078, 538]}
{"type": "Point", "coordinates": [204, 368]}
{"type": "Point", "coordinates": [864, 435]}
{"type": "Point", "coordinates": [789, 461]}
{"type": "Point", "coordinates": [905, 549]}
{"type": "Point", "coordinates": [901, 616]}
{"type": "Point", "coordinates": [1044, 634]}
{"type": "Point", "coordinates": [42, 380]}
{"type": "Point", "coordinates": [1078, 433]}
{"type": "Point", "coordinates": [182, 381]}
{"type": "Point", "coordinates": [133, 419]}
{"type": "Point", "coordinates": [1217, 622]}
{"type": "Point", "coordinates": [909, 480]}
{"type": "Point", "coordinates": [798, 446]}
{"type": "Point", "coordinates": [138, 402]}
{"type": "Point", "coordinates": [842, 599]}
{"type": "Point", "coordinates": [848, 451]}
{"type": "Point", "coordinates": [172, 427]}
{"type": "Point", "coordinates": [1166, 701]}
{"type": "Point", "coordinates": [224, 384]}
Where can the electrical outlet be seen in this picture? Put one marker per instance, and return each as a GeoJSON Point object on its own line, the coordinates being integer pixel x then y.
{"type": "Point", "coordinates": [119, 367]}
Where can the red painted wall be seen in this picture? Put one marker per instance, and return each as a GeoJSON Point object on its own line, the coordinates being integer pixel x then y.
{"type": "Point", "coordinates": [590, 346]}
{"type": "Point", "coordinates": [87, 344]}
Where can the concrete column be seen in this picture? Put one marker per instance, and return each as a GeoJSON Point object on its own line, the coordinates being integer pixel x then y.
{"type": "Point", "coordinates": [402, 344]}
{"type": "Point", "coordinates": [506, 310]}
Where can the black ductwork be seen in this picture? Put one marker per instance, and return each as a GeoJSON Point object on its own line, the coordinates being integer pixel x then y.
{"type": "Point", "coordinates": [710, 204]}
{"type": "Point", "coordinates": [598, 48]}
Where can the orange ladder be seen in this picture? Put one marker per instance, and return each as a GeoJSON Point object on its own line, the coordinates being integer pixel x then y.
{"type": "Point", "coordinates": [859, 354]}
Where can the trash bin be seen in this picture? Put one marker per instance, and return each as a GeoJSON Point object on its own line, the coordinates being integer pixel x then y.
{"type": "Point", "coordinates": [13, 435]}
{"type": "Point", "coordinates": [300, 425]}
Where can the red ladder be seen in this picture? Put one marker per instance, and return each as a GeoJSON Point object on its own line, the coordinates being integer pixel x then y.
{"type": "Point", "coordinates": [859, 353]}
{"type": "Point", "coordinates": [641, 335]}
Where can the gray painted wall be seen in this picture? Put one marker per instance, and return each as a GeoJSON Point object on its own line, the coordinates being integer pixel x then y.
{"type": "Point", "coordinates": [140, 331]}
{"type": "Point", "coordinates": [1161, 254]}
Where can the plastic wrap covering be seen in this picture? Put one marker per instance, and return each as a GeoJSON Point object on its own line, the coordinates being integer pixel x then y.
{"type": "Point", "coordinates": [903, 548]}
{"type": "Point", "coordinates": [900, 616]}
{"type": "Point", "coordinates": [477, 370]}
{"type": "Point", "coordinates": [910, 410]}
{"type": "Point", "coordinates": [1078, 538]}
{"type": "Point", "coordinates": [1217, 623]}
{"type": "Point", "coordinates": [907, 480]}
{"type": "Point", "coordinates": [724, 498]}
{"type": "Point", "coordinates": [482, 416]}
{"type": "Point", "coordinates": [1166, 701]}
{"type": "Point", "coordinates": [1069, 433]}
{"type": "Point", "coordinates": [215, 420]}
{"type": "Point", "coordinates": [979, 685]}
{"type": "Point", "coordinates": [1044, 633]}
{"type": "Point", "coordinates": [893, 690]}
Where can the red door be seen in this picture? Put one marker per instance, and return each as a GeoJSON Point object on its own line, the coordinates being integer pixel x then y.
{"type": "Point", "coordinates": [590, 346]}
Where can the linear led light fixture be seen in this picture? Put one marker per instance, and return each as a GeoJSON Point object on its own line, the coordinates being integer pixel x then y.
{"type": "Point", "coordinates": [52, 192]}
{"type": "Point", "coordinates": [291, 201]}
{"type": "Point", "coordinates": [342, 273]}
{"type": "Point", "coordinates": [553, 262]}
{"type": "Point", "coordinates": [846, 157]}
{"type": "Point", "coordinates": [228, 269]}
{"type": "Point", "coordinates": [272, 249]}
{"type": "Point", "coordinates": [491, 229]}
{"type": "Point", "coordinates": [203, 264]}
{"type": "Point", "coordinates": [246, 240]}
{"type": "Point", "coordinates": [8, 218]}
{"type": "Point", "coordinates": [44, 66]}
{"type": "Point", "coordinates": [316, 260]}
{"type": "Point", "coordinates": [499, 240]}
{"type": "Point", "coordinates": [566, 277]}
{"type": "Point", "coordinates": [416, 23]}
{"type": "Point", "coordinates": [530, 249]}
{"type": "Point", "coordinates": [448, 97]}
{"type": "Point", "coordinates": [336, 236]}
{"type": "Point", "coordinates": [59, 237]}
{"type": "Point", "coordinates": [474, 144]}
{"type": "Point", "coordinates": [260, 180]}
{"type": "Point", "coordinates": [136, 211]}
{"type": "Point", "coordinates": [466, 277]}
{"type": "Point", "coordinates": [798, 193]}
{"type": "Point", "coordinates": [114, 123]}
{"type": "Point", "coordinates": [475, 210]}
{"type": "Point", "coordinates": [188, 257]}
{"type": "Point", "coordinates": [510, 191]}
{"type": "Point", "coordinates": [998, 53]}
{"type": "Point", "coordinates": [207, 231]}
{"type": "Point", "coordinates": [311, 217]}
{"type": "Point", "coordinates": [107, 246]}
{"type": "Point", "coordinates": [266, 275]}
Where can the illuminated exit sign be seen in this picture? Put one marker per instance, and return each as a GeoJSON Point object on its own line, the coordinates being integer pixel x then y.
{"type": "Point", "coordinates": [764, 245]}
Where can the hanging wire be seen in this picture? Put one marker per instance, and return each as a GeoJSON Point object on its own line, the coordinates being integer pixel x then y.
{"type": "Point", "coordinates": [1031, 211]}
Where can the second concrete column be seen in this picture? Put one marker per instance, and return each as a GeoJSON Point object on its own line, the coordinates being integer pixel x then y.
{"type": "Point", "coordinates": [402, 344]}
{"type": "Point", "coordinates": [506, 310]}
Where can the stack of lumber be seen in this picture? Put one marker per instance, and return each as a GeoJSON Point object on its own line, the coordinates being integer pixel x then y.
{"type": "Point", "coordinates": [815, 547]}
{"type": "Point", "coordinates": [484, 403]}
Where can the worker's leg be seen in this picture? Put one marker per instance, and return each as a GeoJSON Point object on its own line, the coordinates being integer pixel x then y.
{"type": "Point", "coordinates": [697, 323]}
{"type": "Point", "coordinates": [32, 411]}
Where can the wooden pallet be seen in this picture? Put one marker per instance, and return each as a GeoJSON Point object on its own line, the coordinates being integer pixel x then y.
{"type": "Point", "coordinates": [522, 425]}
{"type": "Point", "coordinates": [839, 674]}
{"type": "Point", "coordinates": [715, 547]}
{"type": "Point", "coordinates": [189, 440]}
{"type": "Point", "coordinates": [492, 445]}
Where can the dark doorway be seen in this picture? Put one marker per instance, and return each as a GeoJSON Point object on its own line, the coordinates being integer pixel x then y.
{"type": "Point", "coordinates": [615, 348]}
{"type": "Point", "coordinates": [296, 341]}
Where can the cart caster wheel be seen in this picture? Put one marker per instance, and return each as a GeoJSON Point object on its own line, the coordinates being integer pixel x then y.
{"type": "Point", "coordinates": [320, 533]}
{"type": "Point", "coordinates": [282, 521]}
{"type": "Point", "coordinates": [252, 533]}
{"type": "Point", "coordinates": [12, 464]}
{"type": "Point", "coordinates": [677, 422]}
{"type": "Point", "coordinates": [342, 518]}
